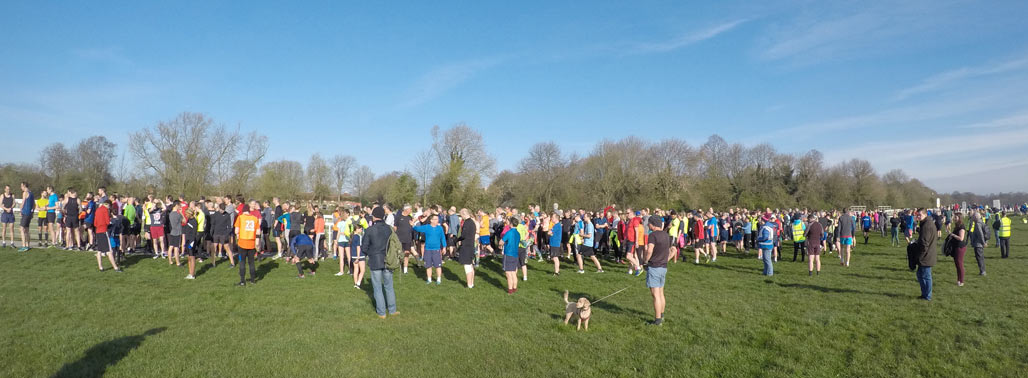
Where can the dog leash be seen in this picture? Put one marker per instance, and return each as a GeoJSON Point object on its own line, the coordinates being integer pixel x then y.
{"type": "Point", "coordinates": [616, 292]}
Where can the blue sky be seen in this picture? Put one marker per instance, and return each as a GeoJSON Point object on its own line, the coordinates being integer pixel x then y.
{"type": "Point", "coordinates": [937, 88]}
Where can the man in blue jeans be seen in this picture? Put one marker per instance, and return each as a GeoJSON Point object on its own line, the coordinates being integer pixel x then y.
{"type": "Point", "coordinates": [766, 243]}
{"type": "Point", "coordinates": [375, 243]}
{"type": "Point", "coordinates": [927, 234]}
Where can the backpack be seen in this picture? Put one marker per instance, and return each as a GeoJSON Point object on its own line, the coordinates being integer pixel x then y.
{"type": "Point", "coordinates": [394, 252]}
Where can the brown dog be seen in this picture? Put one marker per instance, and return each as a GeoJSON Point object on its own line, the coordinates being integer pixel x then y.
{"type": "Point", "coordinates": [582, 308]}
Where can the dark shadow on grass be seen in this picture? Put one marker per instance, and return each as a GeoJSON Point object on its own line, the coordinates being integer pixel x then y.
{"type": "Point", "coordinates": [825, 289]}
{"type": "Point", "coordinates": [451, 276]}
{"type": "Point", "coordinates": [104, 355]}
{"type": "Point", "coordinates": [203, 269]}
{"type": "Point", "coordinates": [858, 275]}
{"type": "Point", "coordinates": [889, 268]}
{"type": "Point", "coordinates": [264, 269]}
{"type": "Point", "coordinates": [755, 270]}
{"type": "Point", "coordinates": [487, 266]}
{"type": "Point", "coordinates": [131, 260]}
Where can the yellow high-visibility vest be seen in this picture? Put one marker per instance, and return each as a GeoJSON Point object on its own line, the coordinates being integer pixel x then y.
{"type": "Point", "coordinates": [797, 232]}
{"type": "Point", "coordinates": [1004, 228]}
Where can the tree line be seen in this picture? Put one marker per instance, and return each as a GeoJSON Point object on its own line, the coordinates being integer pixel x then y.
{"type": "Point", "coordinates": [194, 155]}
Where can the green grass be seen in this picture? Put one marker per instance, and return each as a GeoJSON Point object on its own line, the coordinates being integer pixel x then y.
{"type": "Point", "coordinates": [60, 315]}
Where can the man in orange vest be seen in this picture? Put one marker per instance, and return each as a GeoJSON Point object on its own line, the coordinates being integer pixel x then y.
{"type": "Point", "coordinates": [247, 231]}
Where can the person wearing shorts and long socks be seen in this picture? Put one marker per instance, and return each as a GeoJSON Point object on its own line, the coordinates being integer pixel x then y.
{"type": "Point", "coordinates": [102, 220]}
{"type": "Point", "coordinates": [247, 230]}
{"type": "Point", "coordinates": [358, 257]}
{"type": "Point", "coordinates": [28, 202]}
{"type": "Point", "coordinates": [435, 241]}
{"type": "Point", "coordinates": [658, 249]}
{"type": "Point", "coordinates": [7, 218]}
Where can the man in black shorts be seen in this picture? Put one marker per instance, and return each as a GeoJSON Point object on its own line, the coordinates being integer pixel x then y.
{"type": "Point", "coordinates": [303, 249]}
{"type": "Point", "coordinates": [404, 232]}
{"type": "Point", "coordinates": [221, 226]}
{"type": "Point", "coordinates": [73, 237]}
{"type": "Point", "coordinates": [586, 249]}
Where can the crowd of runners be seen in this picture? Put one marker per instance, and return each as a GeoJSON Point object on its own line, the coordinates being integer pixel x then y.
{"type": "Point", "coordinates": [233, 230]}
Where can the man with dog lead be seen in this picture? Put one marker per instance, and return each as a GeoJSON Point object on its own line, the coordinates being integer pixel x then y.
{"type": "Point", "coordinates": [658, 251]}
{"type": "Point", "coordinates": [375, 244]}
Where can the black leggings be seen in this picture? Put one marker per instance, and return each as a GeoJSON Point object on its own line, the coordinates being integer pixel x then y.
{"type": "Point", "coordinates": [799, 248]}
{"type": "Point", "coordinates": [246, 257]}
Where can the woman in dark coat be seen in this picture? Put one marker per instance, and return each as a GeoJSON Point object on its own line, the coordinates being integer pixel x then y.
{"type": "Point", "coordinates": [468, 235]}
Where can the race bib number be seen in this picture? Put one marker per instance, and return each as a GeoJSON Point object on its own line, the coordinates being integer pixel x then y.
{"type": "Point", "coordinates": [250, 226]}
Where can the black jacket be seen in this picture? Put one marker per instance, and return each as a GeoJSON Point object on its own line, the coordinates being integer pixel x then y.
{"type": "Point", "coordinates": [926, 238]}
{"type": "Point", "coordinates": [374, 244]}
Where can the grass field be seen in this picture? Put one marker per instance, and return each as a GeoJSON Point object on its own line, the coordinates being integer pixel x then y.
{"type": "Point", "coordinates": [61, 317]}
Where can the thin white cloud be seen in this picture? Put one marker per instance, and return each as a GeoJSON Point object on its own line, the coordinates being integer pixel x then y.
{"type": "Point", "coordinates": [438, 81]}
{"type": "Point", "coordinates": [949, 77]}
{"type": "Point", "coordinates": [109, 55]}
{"type": "Point", "coordinates": [684, 40]}
{"type": "Point", "coordinates": [1019, 120]}
{"type": "Point", "coordinates": [930, 150]}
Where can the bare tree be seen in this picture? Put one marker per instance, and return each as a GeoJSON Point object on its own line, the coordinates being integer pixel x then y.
{"type": "Point", "coordinates": [319, 177]}
{"type": "Point", "coordinates": [56, 161]}
{"type": "Point", "coordinates": [362, 178]}
{"type": "Point", "coordinates": [544, 162]}
{"type": "Point", "coordinates": [341, 165]}
{"type": "Point", "coordinates": [424, 167]}
{"type": "Point", "coordinates": [94, 157]}
{"type": "Point", "coordinates": [461, 142]}
{"type": "Point", "coordinates": [242, 171]}
{"type": "Point", "coordinates": [187, 152]}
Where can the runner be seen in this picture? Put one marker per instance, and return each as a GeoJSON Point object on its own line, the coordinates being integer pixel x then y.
{"type": "Point", "coordinates": [72, 214]}
{"type": "Point", "coordinates": [303, 249]}
{"type": "Point", "coordinates": [814, 233]}
{"type": "Point", "coordinates": [865, 222]}
{"type": "Point", "coordinates": [190, 242]}
{"type": "Point", "coordinates": [586, 250]}
{"type": "Point", "coordinates": [847, 228]}
{"type": "Point", "coordinates": [42, 231]}
{"type": "Point", "coordinates": [402, 226]}
{"type": "Point", "coordinates": [359, 259]}
{"type": "Point", "coordinates": [7, 218]}
{"type": "Point", "coordinates": [343, 245]}
{"type": "Point", "coordinates": [222, 228]}
{"type": "Point", "coordinates": [484, 233]}
{"type": "Point", "coordinates": [658, 250]}
{"type": "Point", "coordinates": [102, 220]}
{"type": "Point", "coordinates": [52, 204]}
{"type": "Point", "coordinates": [556, 232]}
{"type": "Point", "coordinates": [510, 243]}
{"type": "Point", "coordinates": [435, 241]}
{"type": "Point", "coordinates": [247, 230]}
{"type": "Point", "coordinates": [175, 242]}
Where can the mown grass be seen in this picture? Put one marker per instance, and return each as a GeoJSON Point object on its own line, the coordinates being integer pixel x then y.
{"type": "Point", "coordinates": [61, 317]}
